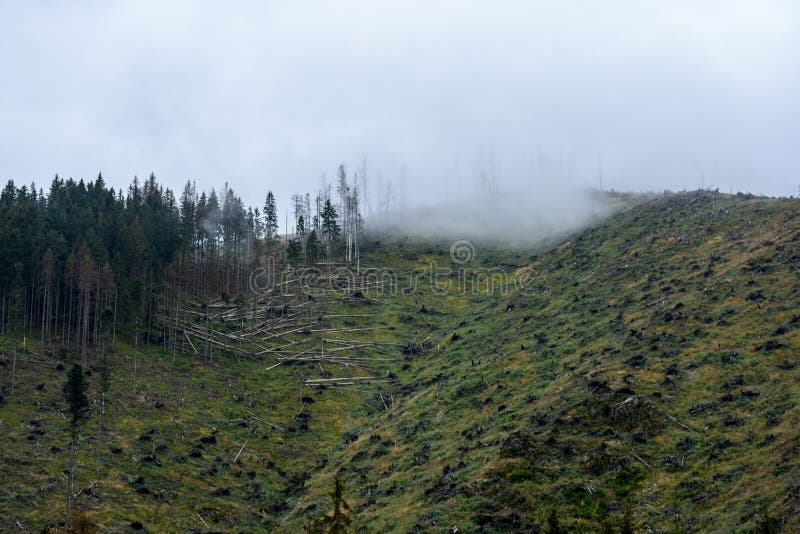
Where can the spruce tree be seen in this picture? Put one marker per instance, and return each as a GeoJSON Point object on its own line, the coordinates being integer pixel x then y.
{"type": "Point", "coordinates": [330, 226]}
{"type": "Point", "coordinates": [338, 521]}
{"type": "Point", "coordinates": [270, 217]}
{"type": "Point", "coordinates": [78, 404]}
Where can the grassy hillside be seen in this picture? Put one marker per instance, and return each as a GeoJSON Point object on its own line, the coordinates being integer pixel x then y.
{"type": "Point", "coordinates": [648, 363]}
{"type": "Point", "coordinates": [652, 365]}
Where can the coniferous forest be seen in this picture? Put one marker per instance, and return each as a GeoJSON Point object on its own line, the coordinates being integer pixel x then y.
{"type": "Point", "coordinates": [81, 260]}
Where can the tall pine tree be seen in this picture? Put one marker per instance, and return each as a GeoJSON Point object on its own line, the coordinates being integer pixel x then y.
{"type": "Point", "coordinates": [270, 217]}
{"type": "Point", "coordinates": [330, 226]}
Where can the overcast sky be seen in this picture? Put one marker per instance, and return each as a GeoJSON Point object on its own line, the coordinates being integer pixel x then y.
{"type": "Point", "coordinates": [273, 94]}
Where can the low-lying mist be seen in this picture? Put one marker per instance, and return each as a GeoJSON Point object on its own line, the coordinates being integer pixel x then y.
{"type": "Point", "coordinates": [523, 216]}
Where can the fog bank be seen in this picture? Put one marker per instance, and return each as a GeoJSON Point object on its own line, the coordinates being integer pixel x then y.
{"type": "Point", "coordinates": [523, 215]}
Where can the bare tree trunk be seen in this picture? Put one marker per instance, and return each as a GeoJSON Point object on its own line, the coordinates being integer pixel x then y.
{"type": "Point", "coordinates": [96, 325]}
{"type": "Point", "coordinates": [114, 328]}
{"type": "Point", "coordinates": [135, 350]}
{"type": "Point", "coordinates": [208, 333]}
{"type": "Point", "coordinates": [85, 332]}
{"type": "Point", "coordinates": [149, 318]}
{"type": "Point", "coordinates": [100, 429]}
{"type": "Point", "coordinates": [175, 329]}
{"type": "Point", "coordinates": [54, 320]}
{"type": "Point", "coordinates": [67, 302]}
{"type": "Point", "coordinates": [71, 479]}
{"type": "Point", "coordinates": [44, 318]}
{"type": "Point", "coordinates": [14, 370]}
{"type": "Point", "coordinates": [69, 317]}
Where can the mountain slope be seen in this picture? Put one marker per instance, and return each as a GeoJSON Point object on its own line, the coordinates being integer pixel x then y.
{"type": "Point", "coordinates": [651, 364]}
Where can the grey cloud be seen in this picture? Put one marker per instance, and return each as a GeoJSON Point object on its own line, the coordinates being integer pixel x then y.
{"type": "Point", "coordinates": [273, 94]}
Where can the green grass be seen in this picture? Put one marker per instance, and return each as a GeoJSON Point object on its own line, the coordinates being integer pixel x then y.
{"type": "Point", "coordinates": [174, 408]}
